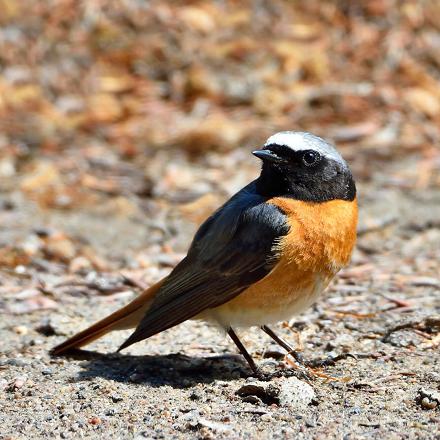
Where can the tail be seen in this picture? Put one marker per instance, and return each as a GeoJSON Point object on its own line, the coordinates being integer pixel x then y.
{"type": "Point", "coordinates": [125, 318]}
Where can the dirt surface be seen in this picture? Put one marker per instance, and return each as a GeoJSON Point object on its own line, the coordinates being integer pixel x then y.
{"type": "Point", "coordinates": [383, 311]}
{"type": "Point", "coordinates": [124, 124]}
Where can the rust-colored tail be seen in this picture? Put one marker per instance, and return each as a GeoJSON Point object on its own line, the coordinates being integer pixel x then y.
{"type": "Point", "coordinates": [125, 318]}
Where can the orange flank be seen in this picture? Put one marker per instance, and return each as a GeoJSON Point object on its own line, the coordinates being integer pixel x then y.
{"type": "Point", "coordinates": [318, 245]}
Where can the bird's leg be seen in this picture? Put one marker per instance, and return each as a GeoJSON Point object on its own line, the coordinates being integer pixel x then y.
{"type": "Point", "coordinates": [290, 350]}
{"type": "Point", "coordinates": [303, 369]}
{"type": "Point", "coordinates": [244, 352]}
{"type": "Point", "coordinates": [310, 366]}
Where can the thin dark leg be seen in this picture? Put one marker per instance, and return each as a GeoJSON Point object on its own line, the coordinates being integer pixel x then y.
{"type": "Point", "coordinates": [243, 351]}
{"type": "Point", "coordinates": [283, 344]}
{"type": "Point", "coordinates": [331, 360]}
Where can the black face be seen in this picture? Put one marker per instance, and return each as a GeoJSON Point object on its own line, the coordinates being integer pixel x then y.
{"type": "Point", "coordinates": [304, 175]}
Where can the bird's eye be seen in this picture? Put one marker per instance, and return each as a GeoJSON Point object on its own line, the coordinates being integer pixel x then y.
{"type": "Point", "coordinates": [311, 158]}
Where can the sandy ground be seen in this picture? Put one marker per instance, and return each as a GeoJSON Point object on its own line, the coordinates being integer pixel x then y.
{"type": "Point", "coordinates": [123, 124]}
{"type": "Point", "coordinates": [382, 314]}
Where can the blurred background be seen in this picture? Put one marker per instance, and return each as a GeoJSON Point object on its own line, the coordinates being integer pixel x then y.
{"type": "Point", "coordinates": [123, 124]}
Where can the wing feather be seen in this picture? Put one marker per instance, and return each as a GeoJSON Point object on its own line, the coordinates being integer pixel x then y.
{"type": "Point", "coordinates": [232, 250]}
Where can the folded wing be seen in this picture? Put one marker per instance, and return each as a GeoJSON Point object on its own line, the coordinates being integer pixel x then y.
{"type": "Point", "coordinates": [232, 250]}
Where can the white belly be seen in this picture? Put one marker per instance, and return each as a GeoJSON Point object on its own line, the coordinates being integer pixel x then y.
{"type": "Point", "coordinates": [291, 304]}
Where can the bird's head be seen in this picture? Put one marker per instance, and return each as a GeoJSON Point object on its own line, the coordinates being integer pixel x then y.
{"type": "Point", "coordinates": [305, 167]}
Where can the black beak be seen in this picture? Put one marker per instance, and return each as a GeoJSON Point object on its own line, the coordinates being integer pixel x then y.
{"type": "Point", "coordinates": [267, 156]}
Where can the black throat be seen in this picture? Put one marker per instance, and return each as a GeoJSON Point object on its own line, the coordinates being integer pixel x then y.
{"type": "Point", "coordinates": [317, 187]}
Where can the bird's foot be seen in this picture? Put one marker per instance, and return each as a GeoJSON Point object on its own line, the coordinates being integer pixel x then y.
{"type": "Point", "coordinates": [329, 361]}
{"type": "Point", "coordinates": [312, 369]}
{"type": "Point", "coordinates": [307, 369]}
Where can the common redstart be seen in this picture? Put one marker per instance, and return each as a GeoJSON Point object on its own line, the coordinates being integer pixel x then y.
{"type": "Point", "coordinates": [262, 257]}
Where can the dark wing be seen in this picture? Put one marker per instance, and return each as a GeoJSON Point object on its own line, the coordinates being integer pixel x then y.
{"type": "Point", "coordinates": [232, 250]}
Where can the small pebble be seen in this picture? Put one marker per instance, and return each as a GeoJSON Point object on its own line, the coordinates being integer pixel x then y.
{"type": "Point", "coordinates": [428, 404]}
{"type": "Point", "coordinates": [274, 352]}
{"type": "Point", "coordinates": [266, 417]}
{"type": "Point", "coordinates": [194, 395]}
{"type": "Point", "coordinates": [428, 399]}
{"type": "Point", "coordinates": [46, 328]}
{"type": "Point", "coordinates": [135, 377]}
{"type": "Point", "coordinates": [252, 399]}
{"type": "Point", "coordinates": [17, 362]}
{"type": "Point", "coordinates": [95, 421]}
{"type": "Point", "coordinates": [17, 383]}
{"type": "Point", "coordinates": [21, 330]}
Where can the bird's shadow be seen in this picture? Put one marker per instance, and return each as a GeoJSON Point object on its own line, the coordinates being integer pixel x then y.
{"type": "Point", "coordinates": [175, 370]}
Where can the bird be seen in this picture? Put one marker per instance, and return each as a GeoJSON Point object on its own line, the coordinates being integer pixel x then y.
{"type": "Point", "coordinates": [263, 257]}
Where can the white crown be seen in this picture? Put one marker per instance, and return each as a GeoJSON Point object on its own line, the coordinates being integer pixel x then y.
{"type": "Point", "coordinates": [301, 140]}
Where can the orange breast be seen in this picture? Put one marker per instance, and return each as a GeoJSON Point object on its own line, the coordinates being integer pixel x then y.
{"type": "Point", "coordinates": [319, 244]}
{"type": "Point", "coordinates": [322, 235]}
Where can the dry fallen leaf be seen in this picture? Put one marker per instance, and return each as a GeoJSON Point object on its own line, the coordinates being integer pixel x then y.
{"type": "Point", "coordinates": [423, 101]}
{"type": "Point", "coordinates": [104, 107]}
